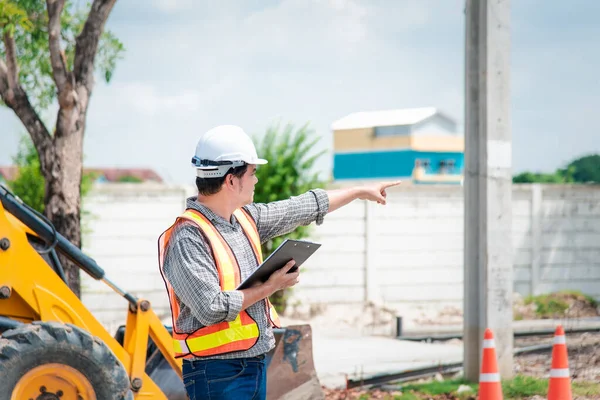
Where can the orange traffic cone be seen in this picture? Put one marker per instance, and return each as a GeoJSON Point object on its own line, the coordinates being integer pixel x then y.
{"type": "Point", "coordinates": [560, 381]}
{"type": "Point", "coordinates": [489, 378]}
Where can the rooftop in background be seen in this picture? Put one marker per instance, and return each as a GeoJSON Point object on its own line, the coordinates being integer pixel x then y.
{"type": "Point", "coordinates": [9, 173]}
{"type": "Point", "coordinates": [421, 145]}
{"type": "Point", "coordinates": [400, 117]}
{"type": "Point", "coordinates": [124, 174]}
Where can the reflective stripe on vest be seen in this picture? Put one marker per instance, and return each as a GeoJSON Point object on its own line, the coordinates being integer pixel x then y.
{"type": "Point", "coordinates": [224, 337]}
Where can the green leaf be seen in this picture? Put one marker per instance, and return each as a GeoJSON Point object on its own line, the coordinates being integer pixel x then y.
{"type": "Point", "coordinates": [29, 183]}
{"type": "Point", "coordinates": [27, 21]}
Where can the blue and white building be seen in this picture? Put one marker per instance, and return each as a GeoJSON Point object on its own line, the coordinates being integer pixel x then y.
{"type": "Point", "coordinates": [420, 145]}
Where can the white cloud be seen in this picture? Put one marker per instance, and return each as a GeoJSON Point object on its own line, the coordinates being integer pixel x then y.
{"type": "Point", "coordinates": [248, 63]}
{"type": "Point", "coordinates": [146, 99]}
{"type": "Point", "coordinates": [305, 28]}
{"type": "Point", "coordinates": [173, 5]}
{"type": "Point", "coordinates": [349, 24]}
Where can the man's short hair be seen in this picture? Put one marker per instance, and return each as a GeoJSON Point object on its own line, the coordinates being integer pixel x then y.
{"type": "Point", "coordinates": [210, 186]}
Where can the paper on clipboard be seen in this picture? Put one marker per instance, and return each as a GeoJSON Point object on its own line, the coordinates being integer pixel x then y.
{"type": "Point", "coordinates": [290, 249]}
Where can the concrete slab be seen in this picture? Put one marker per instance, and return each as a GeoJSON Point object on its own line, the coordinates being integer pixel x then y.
{"type": "Point", "coordinates": [339, 358]}
{"type": "Point", "coordinates": [340, 350]}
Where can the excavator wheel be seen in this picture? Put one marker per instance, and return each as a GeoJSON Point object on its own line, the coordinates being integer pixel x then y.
{"type": "Point", "coordinates": [54, 361]}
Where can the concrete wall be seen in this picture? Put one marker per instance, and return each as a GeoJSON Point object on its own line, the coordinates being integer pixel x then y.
{"type": "Point", "coordinates": [406, 255]}
{"type": "Point", "coordinates": [121, 229]}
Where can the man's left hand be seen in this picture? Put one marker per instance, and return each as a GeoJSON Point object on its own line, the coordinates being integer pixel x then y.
{"type": "Point", "coordinates": [376, 192]}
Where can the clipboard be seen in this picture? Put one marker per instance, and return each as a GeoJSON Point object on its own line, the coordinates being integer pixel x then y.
{"type": "Point", "coordinates": [290, 249]}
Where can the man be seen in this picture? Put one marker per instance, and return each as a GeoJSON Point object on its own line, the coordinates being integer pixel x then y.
{"type": "Point", "coordinates": [222, 333]}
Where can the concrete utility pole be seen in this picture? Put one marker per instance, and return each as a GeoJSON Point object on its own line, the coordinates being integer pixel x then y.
{"type": "Point", "coordinates": [488, 257]}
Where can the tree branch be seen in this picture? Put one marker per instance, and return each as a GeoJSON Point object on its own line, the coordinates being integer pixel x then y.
{"type": "Point", "coordinates": [3, 78]}
{"type": "Point", "coordinates": [15, 97]}
{"type": "Point", "coordinates": [17, 100]}
{"type": "Point", "coordinates": [11, 61]}
{"type": "Point", "coordinates": [87, 42]}
{"type": "Point", "coordinates": [59, 68]}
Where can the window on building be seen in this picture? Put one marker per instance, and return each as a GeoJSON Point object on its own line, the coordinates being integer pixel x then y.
{"type": "Point", "coordinates": [446, 166]}
{"type": "Point", "coordinates": [442, 168]}
{"type": "Point", "coordinates": [398, 130]}
{"type": "Point", "coordinates": [423, 163]}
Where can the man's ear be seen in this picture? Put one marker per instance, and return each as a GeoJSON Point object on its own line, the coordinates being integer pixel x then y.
{"type": "Point", "coordinates": [228, 180]}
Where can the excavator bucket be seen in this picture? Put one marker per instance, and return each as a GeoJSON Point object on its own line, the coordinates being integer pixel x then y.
{"type": "Point", "coordinates": [291, 373]}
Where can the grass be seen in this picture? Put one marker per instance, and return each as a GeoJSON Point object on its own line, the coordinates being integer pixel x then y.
{"type": "Point", "coordinates": [436, 387]}
{"type": "Point", "coordinates": [547, 305]}
{"type": "Point", "coordinates": [407, 396]}
{"type": "Point", "coordinates": [586, 389]}
{"type": "Point", "coordinates": [555, 304]}
{"type": "Point", "coordinates": [527, 386]}
{"type": "Point", "coordinates": [576, 293]}
{"type": "Point", "coordinates": [520, 387]}
{"type": "Point", "coordinates": [524, 386]}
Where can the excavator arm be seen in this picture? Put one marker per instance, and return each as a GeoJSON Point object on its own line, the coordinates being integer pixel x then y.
{"type": "Point", "coordinates": [43, 319]}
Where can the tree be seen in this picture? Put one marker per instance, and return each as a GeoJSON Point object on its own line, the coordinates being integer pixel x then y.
{"type": "Point", "coordinates": [581, 170]}
{"type": "Point", "coordinates": [48, 54]}
{"type": "Point", "coordinates": [586, 169]}
{"type": "Point", "coordinates": [29, 183]}
{"type": "Point", "coordinates": [536, 177]}
{"type": "Point", "coordinates": [289, 173]}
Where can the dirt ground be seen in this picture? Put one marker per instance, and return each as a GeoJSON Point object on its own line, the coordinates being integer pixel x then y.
{"type": "Point", "coordinates": [584, 357]}
{"type": "Point", "coordinates": [584, 365]}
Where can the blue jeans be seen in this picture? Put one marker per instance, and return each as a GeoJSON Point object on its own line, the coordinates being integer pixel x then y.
{"type": "Point", "coordinates": [236, 379]}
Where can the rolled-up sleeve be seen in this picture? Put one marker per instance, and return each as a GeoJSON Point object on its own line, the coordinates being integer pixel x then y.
{"type": "Point", "coordinates": [189, 267]}
{"type": "Point", "coordinates": [283, 216]}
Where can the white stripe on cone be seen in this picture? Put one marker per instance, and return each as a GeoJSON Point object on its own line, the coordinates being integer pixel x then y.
{"type": "Point", "coordinates": [560, 373]}
{"type": "Point", "coordinates": [489, 344]}
{"type": "Point", "coordinates": [489, 377]}
{"type": "Point", "coordinates": [560, 339]}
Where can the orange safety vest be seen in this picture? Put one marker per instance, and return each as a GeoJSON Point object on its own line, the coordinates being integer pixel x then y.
{"type": "Point", "coordinates": [224, 337]}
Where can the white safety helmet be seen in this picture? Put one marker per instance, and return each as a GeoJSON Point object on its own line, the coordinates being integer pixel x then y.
{"type": "Point", "coordinates": [222, 148]}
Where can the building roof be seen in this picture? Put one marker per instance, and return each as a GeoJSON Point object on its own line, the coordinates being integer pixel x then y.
{"type": "Point", "coordinates": [8, 172]}
{"type": "Point", "coordinates": [370, 119]}
{"type": "Point", "coordinates": [110, 174]}
{"type": "Point", "coordinates": [114, 174]}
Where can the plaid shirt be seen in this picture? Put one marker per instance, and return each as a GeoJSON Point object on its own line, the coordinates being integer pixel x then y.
{"type": "Point", "coordinates": [191, 270]}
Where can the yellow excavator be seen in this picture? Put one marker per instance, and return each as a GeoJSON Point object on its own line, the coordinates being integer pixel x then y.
{"type": "Point", "coordinates": [53, 348]}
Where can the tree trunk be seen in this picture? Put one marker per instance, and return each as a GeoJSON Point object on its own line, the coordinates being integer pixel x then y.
{"type": "Point", "coordinates": [62, 169]}
{"type": "Point", "coordinates": [63, 200]}
{"type": "Point", "coordinates": [66, 221]}
{"type": "Point", "coordinates": [61, 154]}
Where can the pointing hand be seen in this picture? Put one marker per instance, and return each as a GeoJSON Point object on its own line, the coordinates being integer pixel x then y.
{"type": "Point", "coordinates": [376, 192]}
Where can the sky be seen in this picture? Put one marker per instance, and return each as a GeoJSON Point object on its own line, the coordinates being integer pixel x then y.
{"type": "Point", "coordinates": [190, 65]}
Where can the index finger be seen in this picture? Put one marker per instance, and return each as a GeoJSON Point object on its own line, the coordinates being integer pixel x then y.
{"type": "Point", "coordinates": [390, 184]}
